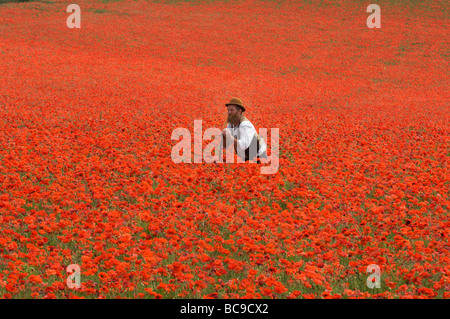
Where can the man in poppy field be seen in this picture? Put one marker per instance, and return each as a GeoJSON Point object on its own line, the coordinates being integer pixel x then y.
{"type": "Point", "coordinates": [242, 134]}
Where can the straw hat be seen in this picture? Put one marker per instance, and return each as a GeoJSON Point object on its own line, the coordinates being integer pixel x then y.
{"type": "Point", "coordinates": [236, 101]}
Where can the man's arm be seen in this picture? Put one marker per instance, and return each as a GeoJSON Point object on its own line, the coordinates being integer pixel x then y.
{"type": "Point", "coordinates": [226, 134]}
{"type": "Point", "coordinates": [247, 132]}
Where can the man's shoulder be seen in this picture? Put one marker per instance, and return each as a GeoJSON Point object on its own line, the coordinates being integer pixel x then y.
{"type": "Point", "coordinates": [246, 124]}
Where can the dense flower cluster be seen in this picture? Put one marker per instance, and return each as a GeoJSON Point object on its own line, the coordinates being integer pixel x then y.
{"type": "Point", "coordinates": [86, 175]}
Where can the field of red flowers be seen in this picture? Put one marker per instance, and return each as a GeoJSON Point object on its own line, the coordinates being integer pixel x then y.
{"type": "Point", "coordinates": [86, 175]}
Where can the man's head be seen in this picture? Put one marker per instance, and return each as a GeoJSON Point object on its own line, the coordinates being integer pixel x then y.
{"type": "Point", "coordinates": [235, 109]}
{"type": "Point", "coordinates": [234, 114]}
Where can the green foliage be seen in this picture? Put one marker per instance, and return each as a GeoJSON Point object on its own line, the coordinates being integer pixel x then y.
{"type": "Point", "coordinates": [6, 1]}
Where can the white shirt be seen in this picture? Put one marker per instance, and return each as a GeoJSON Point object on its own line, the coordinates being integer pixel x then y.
{"type": "Point", "coordinates": [244, 134]}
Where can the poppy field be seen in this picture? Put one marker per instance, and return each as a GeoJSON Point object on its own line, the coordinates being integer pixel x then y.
{"type": "Point", "coordinates": [87, 179]}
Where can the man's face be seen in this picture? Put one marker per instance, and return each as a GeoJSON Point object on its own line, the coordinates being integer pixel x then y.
{"type": "Point", "coordinates": [234, 114]}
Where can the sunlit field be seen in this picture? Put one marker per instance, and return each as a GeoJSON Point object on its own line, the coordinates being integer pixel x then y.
{"type": "Point", "coordinates": [87, 177]}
